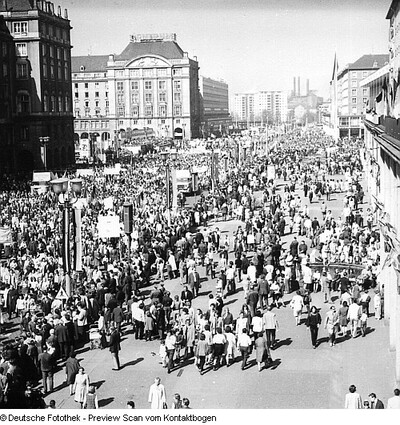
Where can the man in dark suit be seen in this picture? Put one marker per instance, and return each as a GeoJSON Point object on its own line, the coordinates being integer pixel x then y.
{"type": "Point", "coordinates": [186, 294]}
{"type": "Point", "coordinates": [252, 300]}
{"type": "Point", "coordinates": [62, 337]}
{"type": "Point", "coordinates": [115, 347]}
{"type": "Point", "coordinates": [117, 316]}
{"type": "Point", "coordinates": [375, 403]}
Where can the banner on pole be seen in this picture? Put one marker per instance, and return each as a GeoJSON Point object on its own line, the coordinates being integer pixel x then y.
{"type": "Point", "coordinates": [108, 226]}
{"type": "Point", "coordinates": [78, 240]}
{"type": "Point", "coordinates": [5, 235]}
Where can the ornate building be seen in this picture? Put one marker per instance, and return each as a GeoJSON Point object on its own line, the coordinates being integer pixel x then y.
{"type": "Point", "coordinates": [150, 89]}
{"type": "Point", "coordinates": [41, 36]}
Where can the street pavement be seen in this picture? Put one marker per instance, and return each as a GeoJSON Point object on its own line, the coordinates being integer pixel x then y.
{"type": "Point", "coordinates": [300, 377]}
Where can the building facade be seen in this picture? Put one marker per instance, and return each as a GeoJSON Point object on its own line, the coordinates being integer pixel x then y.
{"type": "Point", "coordinates": [382, 165]}
{"type": "Point", "coordinates": [214, 106]}
{"type": "Point", "coordinates": [7, 97]}
{"type": "Point", "coordinates": [261, 107]}
{"type": "Point", "coordinates": [43, 92]}
{"type": "Point", "coordinates": [352, 97]}
{"type": "Point", "coordinates": [150, 89]}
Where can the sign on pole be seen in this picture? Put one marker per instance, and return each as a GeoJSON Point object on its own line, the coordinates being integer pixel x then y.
{"type": "Point", "coordinates": [108, 226]}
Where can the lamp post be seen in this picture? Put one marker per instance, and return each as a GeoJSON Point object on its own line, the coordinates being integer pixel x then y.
{"type": "Point", "coordinates": [44, 141]}
{"type": "Point", "coordinates": [165, 156]}
{"type": "Point", "coordinates": [66, 191]}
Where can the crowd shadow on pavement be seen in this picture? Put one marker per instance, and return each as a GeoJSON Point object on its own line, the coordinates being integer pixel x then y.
{"type": "Point", "coordinates": [105, 401]}
{"type": "Point", "coordinates": [97, 384]}
{"type": "Point", "coordinates": [132, 363]}
{"type": "Point", "coordinates": [281, 343]}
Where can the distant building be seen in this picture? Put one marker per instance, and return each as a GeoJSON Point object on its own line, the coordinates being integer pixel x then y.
{"type": "Point", "coordinates": [150, 89]}
{"type": "Point", "coordinates": [41, 37]}
{"type": "Point", "coordinates": [352, 97]}
{"type": "Point", "coordinates": [271, 106]}
{"type": "Point", "coordinates": [303, 106]}
{"type": "Point", "coordinates": [243, 107]}
{"type": "Point", "coordinates": [215, 106]}
{"type": "Point", "coordinates": [261, 107]}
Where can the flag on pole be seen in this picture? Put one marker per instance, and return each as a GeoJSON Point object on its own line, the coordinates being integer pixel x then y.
{"type": "Point", "coordinates": [334, 100]}
{"type": "Point", "coordinates": [78, 239]}
{"type": "Point", "coordinates": [66, 257]}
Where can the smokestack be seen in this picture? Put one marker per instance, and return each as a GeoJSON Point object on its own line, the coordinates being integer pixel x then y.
{"type": "Point", "coordinates": [298, 86]}
{"type": "Point", "coordinates": [308, 87]}
{"type": "Point", "coordinates": [294, 86]}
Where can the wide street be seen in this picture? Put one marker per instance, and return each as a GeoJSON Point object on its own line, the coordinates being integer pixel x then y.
{"type": "Point", "coordinates": [300, 376]}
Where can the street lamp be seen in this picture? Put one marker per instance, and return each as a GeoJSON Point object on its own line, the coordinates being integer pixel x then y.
{"type": "Point", "coordinates": [165, 156]}
{"type": "Point", "coordinates": [66, 191]}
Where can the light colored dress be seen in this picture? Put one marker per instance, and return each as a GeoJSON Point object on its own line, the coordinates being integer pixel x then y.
{"type": "Point", "coordinates": [81, 387]}
{"type": "Point", "coordinates": [157, 396]}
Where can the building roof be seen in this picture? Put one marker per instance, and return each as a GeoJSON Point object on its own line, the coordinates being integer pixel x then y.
{"type": "Point", "coordinates": [166, 49]}
{"type": "Point", "coordinates": [370, 62]}
{"type": "Point", "coordinates": [16, 5]}
{"type": "Point", "coordinates": [90, 63]}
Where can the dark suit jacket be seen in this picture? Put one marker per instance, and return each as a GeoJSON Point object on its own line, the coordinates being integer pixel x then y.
{"type": "Point", "coordinates": [378, 404]}
{"type": "Point", "coordinates": [252, 298]}
{"type": "Point", "coordinates": [117, 315]}
{"type": "Point", "coordinates": [114, 343]}
{"type": "Point", "coordinates": [61, 334]}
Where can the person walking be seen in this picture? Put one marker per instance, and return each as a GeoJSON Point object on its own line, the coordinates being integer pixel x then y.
{"type": "Point", "coordinates": [71, 369]}
{"type": "Point", "coordinates": [313, 322]}
{"type": "Point", "coordinates": [244, 345]}
{"type": "Point", "coordinates": [262, 350]}
{"type": "Point", "coordinates": [91, 401]}
{"type": "Point", "coordinates": [331, 322]}
{"type": "Point", "coordinates": [157, 395]}
{"type": "Point", "coordinates": [81, 386]}
{"type": "Point", "coordinates": [270, 325]}
{"type": "Point", "coordinates": [297, 305]}
{"type": "Point", "coordinates": [353, 399]}
{"type": "Point", "coordinates": [115, 347]}
{"type": "Point", "coordinates": [354, 316]}
{"type": "Point", "coordinates": [47, 363]}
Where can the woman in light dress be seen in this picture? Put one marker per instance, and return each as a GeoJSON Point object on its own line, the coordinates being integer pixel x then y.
{"type": "Point", "coordinates": [81, 386]}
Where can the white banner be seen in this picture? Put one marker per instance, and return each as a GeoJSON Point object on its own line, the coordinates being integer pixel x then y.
{"type": "Point", "coordinates": [108, 226]}
{"type": "Point", "coordinates": [109, 203]}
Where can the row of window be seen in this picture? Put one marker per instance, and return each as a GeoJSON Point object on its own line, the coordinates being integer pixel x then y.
{"type": "Point", "coordinates": [21, 28]}
{"type": "Point", "coordinates": [148, 111]}
{"type": "Point", "coordinates": [55, 103]}
{"type": "Point", "coordinates": [87, 125]}
{"type": "Point", "coordinates": [149, 72]}
{"type": "Point", "coordinates": [148, 85]}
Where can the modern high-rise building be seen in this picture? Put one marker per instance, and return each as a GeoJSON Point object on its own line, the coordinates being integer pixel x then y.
{"type": "Point", "coordinates": [151, 88]}
{"type": "Point", "coordinates": [41, 36]}
{"type": "Point", "coordinates": [215, 106]}
{"type": "Point", "coordinates": [263, 106]}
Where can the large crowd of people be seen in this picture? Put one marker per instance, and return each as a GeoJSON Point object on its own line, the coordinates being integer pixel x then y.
{"type": "Point", "coordinates": [123, 283]}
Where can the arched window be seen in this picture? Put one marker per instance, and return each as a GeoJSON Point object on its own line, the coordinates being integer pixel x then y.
{"type": "Point", "coordinates": [52, 103]}
{"type": "Point", "coordinates": [60, 103]}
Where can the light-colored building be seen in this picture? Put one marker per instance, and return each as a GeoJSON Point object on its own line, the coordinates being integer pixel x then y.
{"type": "Point", "coordinates": [352, 97]}
{"type": "Point", "coordinates": [151, 88]}
{"type": "Point", "coordinates": [215, 106]}
{"type": "Point", "coordinates": [382, 164]}
{"type": "Point", "coordinates": [271, 106]}
{"type": "Point", "coordinates": [41, 34]}
{"type": "Point", "coordinates": [243, 107]}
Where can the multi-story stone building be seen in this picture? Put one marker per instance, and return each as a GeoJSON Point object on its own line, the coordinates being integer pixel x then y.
{"type": "Point", "coordinates": [41, 36]}
{"type": "Point", "coordinates": [214, 106]}
{"type": "Point", "coordinates": [7, 97]}
{"type": "Point", "coordinates": [243, 107]}
{"type": "Point", "coordinates": [352, 97]}
{"type": "Point", "coordinates": [151, 88]}
{"type": "Point", "coordinates": [382, 166]}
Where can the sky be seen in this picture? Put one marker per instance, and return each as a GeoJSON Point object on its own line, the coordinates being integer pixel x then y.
{"type": "Point", "coordinates": [251, 44]}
